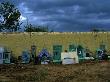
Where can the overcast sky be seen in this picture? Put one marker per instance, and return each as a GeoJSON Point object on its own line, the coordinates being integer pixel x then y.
{"type": "Point", "coordinates": [66, 15]}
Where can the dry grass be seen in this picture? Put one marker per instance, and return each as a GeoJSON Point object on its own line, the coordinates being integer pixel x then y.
{"type": "Point", "coordinates": [85, 72]}
{"type": "Point", "coordinates": [21, 41]}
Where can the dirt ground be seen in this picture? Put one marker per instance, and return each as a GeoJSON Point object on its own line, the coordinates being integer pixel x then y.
{"type": "Point", "coordinates": [84, 72]}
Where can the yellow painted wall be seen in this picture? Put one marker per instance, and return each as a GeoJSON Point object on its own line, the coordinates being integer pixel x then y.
{"type": "Point", "coordinates": [18, 42]}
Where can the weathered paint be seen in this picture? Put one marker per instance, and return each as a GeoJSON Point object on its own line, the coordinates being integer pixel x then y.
{"type": "Point", "coordinates": [72, 48]}
{"type": "Point", "coordinates": [26, 57]}
{"type": "Point", "coordinates": [44, 56]}
{"type": "Point", "coordinates": [5, 56]}
{"type": "Point", "coordinates": [1, 55]}
{"type": "Point", "coordinates": [33, 51]}
{"type": "Point", "coordinates": [80, 51]}
{"type": "Point", "coordinates": [69, 57]}
{"type": "Point", "coordinates": [57, 49]}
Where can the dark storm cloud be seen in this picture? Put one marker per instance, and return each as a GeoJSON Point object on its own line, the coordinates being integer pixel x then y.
{"type": "Point", "coordinates": [66, 15]}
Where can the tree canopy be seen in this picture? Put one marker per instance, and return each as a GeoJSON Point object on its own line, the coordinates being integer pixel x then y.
{"type": "Point", "coordinates": [97, 30]}
{"type": "Point", "coordinates": [9, 17]}
{"type": "Point", "coordinates": [32, 28]}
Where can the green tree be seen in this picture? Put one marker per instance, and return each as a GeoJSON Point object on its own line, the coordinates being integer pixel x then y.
{"type": "Point", "coordinates": [95, 30]}
{"type": "Point", "coordinates": [9, 17]}
{"type": "Point", "coordinates": [98, 30]}
{"type": "Point", "coordinates": [32, 28]}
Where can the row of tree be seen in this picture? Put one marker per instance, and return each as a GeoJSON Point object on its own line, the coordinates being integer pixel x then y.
{"type": "Point", "coordinates": [10, 20]}
{"type": "Point", "coordinates": [32, 28]}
